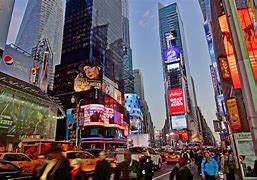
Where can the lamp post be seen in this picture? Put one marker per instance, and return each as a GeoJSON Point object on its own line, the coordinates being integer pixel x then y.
{"type": "Point", "coordinates": [75, 100]}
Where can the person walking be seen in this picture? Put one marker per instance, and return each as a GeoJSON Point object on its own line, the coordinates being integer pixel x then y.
{"type": "Point", "coordinates": [228, 165]}
{"type": "Point", "coordinates": [198, 161]}
{"type": "Point", "coordinates": [181, 171]}
{"type": "Point", "coordinates": [77, 173]}
{"type": "Point", "coordinates": [210, 167]}
{"type": "Point", "coordinates": [103, 168]}
{"type": "Point", "coordinates": [57, 167]}
{"type": "Point", "coordinates": [129, 169]}
{"type": "Point", "coordinates": [147, 165]}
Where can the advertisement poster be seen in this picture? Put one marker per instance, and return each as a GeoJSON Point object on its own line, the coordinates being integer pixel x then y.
{"type": "Point", "coordinates": [171, 55]}
{"type": "Point", "coordinates": [179, 122]}
{"type": "Point", "coordinates": [22, 118]}
{"type": "Point", "coordinates": [246, 155]}
{"type": "Point", "coordinates": [250, 39]}
{"type": "Point", "coordinates": [221, 104]}
{"type": "Point", "coordinates": [233, 113]}
{"type": "Point", "coordinates": [111, 88]}
{"type": "Point", "coordinates": [170, 38]}
{"type": "Point", "coordinates": [89, 77]}
{"type": "Point", "coordinates": [43, 76]}
{"type": "Point", "coordinates": [135, 125]}
{"type": "Point", "coordinates": [176, 101]}
{"type": "Point", "coordinates": [224, 68]}
{"type": "Point", "coordinates": [71, 124]}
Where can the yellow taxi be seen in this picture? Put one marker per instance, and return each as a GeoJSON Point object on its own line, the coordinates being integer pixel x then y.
{"type": "Point", "coordinates": [88, 160]}
{"type": "Point", "coordinates": [19, 159]}
{"type": "Point", "coordinates": [111, 158]}
{"type": "Point", "coordinates": [172, 157]}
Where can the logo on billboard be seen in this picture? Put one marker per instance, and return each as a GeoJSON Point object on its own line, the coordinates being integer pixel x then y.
{"type": "Point", "coordinates": [179, 122]}
{"type": "Point", "coordinates": [233, 114]}
{"type": "Point", "coordinates": [89, 77]}
{"type": "Point", "coordinates": [176, 101]}
{"type": "Point", "coordinates": [8, 60]}
{"type": "Point", "coordinates": [171, 55]}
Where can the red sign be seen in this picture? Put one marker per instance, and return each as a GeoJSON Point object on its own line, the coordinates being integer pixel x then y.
{"type": "Point", "coordinates": [176, 101]}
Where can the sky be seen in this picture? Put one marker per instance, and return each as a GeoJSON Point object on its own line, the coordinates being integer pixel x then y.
{"type": "Point", "coordinates": [145, 43]}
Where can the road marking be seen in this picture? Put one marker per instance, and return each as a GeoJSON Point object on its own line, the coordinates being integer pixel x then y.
{"type": "Point", "coordinates": [161, 176]}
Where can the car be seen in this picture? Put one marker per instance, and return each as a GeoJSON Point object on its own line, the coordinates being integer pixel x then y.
{"type": "Point", "coordinates": [9, 170]}
{"type": "Point", "coordinates": [137, 153]}
{"type": "Point", "coordinates": [88, 160]}
{"type": "Point", "coordinates": [21, 160]}
{"type": "Point", "coordinates": [172, 157]}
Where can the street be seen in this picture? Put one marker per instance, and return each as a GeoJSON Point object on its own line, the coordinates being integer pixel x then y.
{"type": "Point", "coordinates": [164, 173]}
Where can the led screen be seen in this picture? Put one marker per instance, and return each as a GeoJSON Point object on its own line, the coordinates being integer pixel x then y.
{"type": "Point", "coordinates": [179, 122]}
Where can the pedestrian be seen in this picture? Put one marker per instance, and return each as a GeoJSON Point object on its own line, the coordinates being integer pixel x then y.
{"type": "Point", "coordinates": [198, 161]}
{"type": "Point", "coordinates": [210, 167]}
{"type": "Point", "coordinates": [77, 173]}
{"type": "Point", "coordinates": [185, 155]}
{"type": "Point", "coordinates": [147, 165]}
{"type": "Point", "coordinates": [129, 169]}
{"type": "Point", "coordinates": [103, 168]}
{"type": "Point", "coordinates": [228, 165]}
{"type": "Point", "coordinates": [181, 171]}
{"type": "Point", "coordinates": [40, 166]}
{"type": "Point", "coordinates": [57, 167]}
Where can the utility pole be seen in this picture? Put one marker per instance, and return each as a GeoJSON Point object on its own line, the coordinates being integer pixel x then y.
{"type": "Point", "coordinates": [248, 85]}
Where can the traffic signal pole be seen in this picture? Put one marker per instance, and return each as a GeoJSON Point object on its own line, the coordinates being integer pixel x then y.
{"type": "Point", "coordinates": [248, 84]}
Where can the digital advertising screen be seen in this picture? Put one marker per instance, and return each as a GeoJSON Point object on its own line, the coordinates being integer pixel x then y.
{"type": "Point", "coordinates": [71, 124]}
{"type": "Point", "coordinates": [88, 77]}
{"type": "Point", "coordinates": [170, 38]}
{"type": "Point", "coordinates": [233, 113]}
{"type": "Point", "coordinates": [171, 55]}
{"type": "Point", "coordinates": [176, 101]}
{"type": "Point", "coordinates": [132, 101]}
{"type": "Point", "coordinates": [111, 88]}
{"type": "Point", "coordinates": [179, 122]}
{"type": "Point", "coordinates": [250, 36]}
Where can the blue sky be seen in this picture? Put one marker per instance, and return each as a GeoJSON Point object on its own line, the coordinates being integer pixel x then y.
{"type": "Point", "coordinates": [144, 35]}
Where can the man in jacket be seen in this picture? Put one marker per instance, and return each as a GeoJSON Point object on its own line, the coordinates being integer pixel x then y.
{"type": "Point", "coordinates": [57, 167]}
{"type": "Point", "coordinates": [103, 168]}
{"type": "Point", "coordinates": [210, 167]}
{"type": "Point", "coordinates": [129, 169]}
{"type": "Point", "coordinates": [181, 171]}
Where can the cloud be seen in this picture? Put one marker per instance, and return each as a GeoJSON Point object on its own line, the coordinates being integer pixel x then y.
{"type": "Point", "coordinates": [147, 13]}
{"type": "Point", "coordinates": [146, 18]}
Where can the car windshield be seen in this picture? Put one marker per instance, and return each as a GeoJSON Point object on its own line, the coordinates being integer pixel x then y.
{"type": "Point", "coordinates": [73, 155]}
{"type": "Point", "coordinates": [136, 150]}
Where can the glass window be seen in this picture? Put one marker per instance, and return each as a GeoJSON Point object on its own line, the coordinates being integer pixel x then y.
{"type": "Point", "coordinates": [10, 157]}
{"type": "Point", "coordinates": [21, 157]}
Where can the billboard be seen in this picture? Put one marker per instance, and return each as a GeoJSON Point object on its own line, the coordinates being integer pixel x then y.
{"type": "Point", "coordinates": [216, 126]}
{"type": "Point", "coordinates": [71, 124]}
{"type": "Point", "coordinates": [171, 55]}
{"type": "Point", "coordinates": [89, 77]}
{"type": "Point", "coordinates": [233, 113]}
{"type": "Point", "coordinates": [97, 113]}
{"type": "Point", "coordinates": [221, 104]}
{"type": "Point", "coordinates": [111, 88]}
{"type": "Point", "coordinates": [246, 155]}
{"type": "Point", "coordinates": [179, 122]}
{"type": "Point", "coordinates": [21, 117]}
{"type": "Point", "coordinates": [224, 68]}
{"type": "Point", "coordinates": [173, 67]}
{"type": "Point", "coordinates": [245, 20]}
{"type": "Point", "coordinates": [21, 66]}
{"type": "Point", "coordinates": [170, 38]}
{"type": "Point", "coordinates": [132, 101]}
{"type": "Point", "coordinates": [176, 101]}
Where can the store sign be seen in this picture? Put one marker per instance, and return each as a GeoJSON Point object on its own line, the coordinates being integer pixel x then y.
{"type": "Point", "coordinates": [176, 101]}
{"type": "Point", "coordinates": [246, 155]}
{"type": "Point", "coordinates": [89, 77]}
{"type": "Point", "coordinates": [179, 122]}
{"type": "Point", "coordinates": [216, 126]}
{"type": "Point", "coordinates": [171, 55]}
{"type": "Point", "coordinates": [224, 68]}
{"type": "Point", "coordinates": [234, 117]}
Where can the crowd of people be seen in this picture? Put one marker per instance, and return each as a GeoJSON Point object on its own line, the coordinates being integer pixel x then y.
{"type": "Point", "coordinates": [209, 163]}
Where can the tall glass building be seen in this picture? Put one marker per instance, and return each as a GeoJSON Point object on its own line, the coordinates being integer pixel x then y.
{"type": "Point", "coordinates": [180, 104]}
{"type": "Point", "coordinates": [43, 20]}
{"type": "Point", "coordinates": [91, 70]}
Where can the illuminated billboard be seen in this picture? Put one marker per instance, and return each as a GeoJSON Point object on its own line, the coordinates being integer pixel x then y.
{"type": "Point", "coordinates": [179, 122]}
{"type": "Point", "coordinates": [21, 117]}
{"type": "Point", "coordinates": [234, 117]}
{"type": "Point", "coordinates": [170, 38]}
{"type": "Point", "coordinates": [21, 66]}
{"type": "Point", "coordinates": [245, 20]}
{"type": "Point", "coordinates": [132, 101]}
{"type": "Point", "coordinates": [176, 101]}
{"type": "Point", "coordinates": [97, 113]}
{"type": "Point", "coordinates": [111, 88]}
{"type": "Point", "coordinates": [171, 55]}
{"type": "Point", "coordinates": [89, 77]}
{"type": "Point", "coordinates": [71, 124]}
{"type": "Point", "coordinates": [173, 67]}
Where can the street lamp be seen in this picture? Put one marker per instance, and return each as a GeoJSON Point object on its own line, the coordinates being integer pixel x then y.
{"type": "Point", "coordinates": [74, 100]}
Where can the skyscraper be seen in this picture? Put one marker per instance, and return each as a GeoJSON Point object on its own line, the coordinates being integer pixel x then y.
{"type": "Point", "coordinates": [180, 105]}
{"type": "Point", "coordinates": [91, 70]}
{"type": "Point", "coordinates": [127, 51]}
{"type": "Point", "coordinates": [43, 20]}
{"type": "Point", "coordinates": [139, 83]}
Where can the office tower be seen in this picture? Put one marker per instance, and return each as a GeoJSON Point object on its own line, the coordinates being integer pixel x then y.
{"type": "Point", "coordinates": [180, 104]}
{"type": "Point", "coordinates": [127, 51]}
{"type": "Point", "coordinates": [6, 9]}
{"type": "Point", "coordinates": [139, 83]}
{"type": "Point", "coordinates": [43, 20]}
{"type": "Point", "coordinates": [91, 71]}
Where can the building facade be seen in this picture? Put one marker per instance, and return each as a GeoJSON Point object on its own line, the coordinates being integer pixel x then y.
{"type": "Point", "coordinates": [47, 23]}
{"type": "Point", "coordinates": [91, 70]}
{"type": "Point", "coordinates": [179, 94]}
